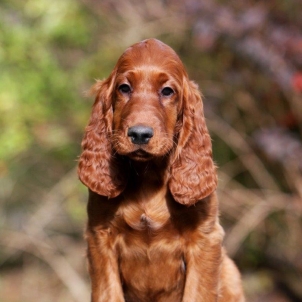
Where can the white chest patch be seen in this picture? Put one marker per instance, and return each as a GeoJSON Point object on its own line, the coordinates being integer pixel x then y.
{"type": "Point", "coordinates": [146, 220]}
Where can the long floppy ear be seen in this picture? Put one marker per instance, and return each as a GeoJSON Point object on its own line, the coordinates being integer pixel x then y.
{"type": "Point", "coordinates": [193, 173]}
{"type": "Point", "coordinates": [99, 168]}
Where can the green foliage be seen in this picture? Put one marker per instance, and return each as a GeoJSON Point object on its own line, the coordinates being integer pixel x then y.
{"type": "Point", "coordinates": [36, 91]}
{"type": "Point", "coordinates": [42, 104]}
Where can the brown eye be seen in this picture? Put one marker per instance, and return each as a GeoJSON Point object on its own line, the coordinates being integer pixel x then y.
{"type": "Point", "coordinates": [167, 91]}
{"type": "Point", "coordinates": [124, 88]}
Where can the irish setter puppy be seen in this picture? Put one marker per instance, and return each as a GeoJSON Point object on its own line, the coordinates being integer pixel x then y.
{"type": "Point", "coordinates": [153, 231]}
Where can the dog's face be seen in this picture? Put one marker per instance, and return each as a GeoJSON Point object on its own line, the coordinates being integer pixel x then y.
{"type": "Point", "coordinates": [146, 109]}
{"type": "Point", "coordinates": [146, 101]}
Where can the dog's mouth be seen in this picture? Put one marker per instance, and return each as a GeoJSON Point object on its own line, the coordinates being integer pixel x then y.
{"type": "Point", "coordinates": [140, 155]}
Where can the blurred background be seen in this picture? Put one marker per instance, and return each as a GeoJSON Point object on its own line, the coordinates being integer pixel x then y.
{"type": "Point", "coordinates": [245, 55]}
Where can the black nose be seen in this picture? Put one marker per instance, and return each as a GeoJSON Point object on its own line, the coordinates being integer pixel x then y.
{"type": "Point", "coordinates": [140, 135]}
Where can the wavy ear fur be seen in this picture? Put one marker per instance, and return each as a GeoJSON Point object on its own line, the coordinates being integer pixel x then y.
{"type": "Point", "coordinates": [99, 169]}
{"type": "Point", "coordinates": [193, 173]}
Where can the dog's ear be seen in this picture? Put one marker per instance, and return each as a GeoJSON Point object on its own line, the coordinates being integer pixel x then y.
{"type": "Point", "coordinates": [99, 168]}
{"type": "Point", "coordinates": [193, 173]}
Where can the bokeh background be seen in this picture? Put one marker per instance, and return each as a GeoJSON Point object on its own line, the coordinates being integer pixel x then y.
{"type": "Point", "coordinates": [245, 55]}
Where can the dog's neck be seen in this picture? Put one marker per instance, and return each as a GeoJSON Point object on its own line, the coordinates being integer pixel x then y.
{"type": "Point", "coordinates": [153, 172]}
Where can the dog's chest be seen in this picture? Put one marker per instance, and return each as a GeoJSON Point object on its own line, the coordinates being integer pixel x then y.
{"type": "Point", "coordinates": [145, 214]}
{"type": "Point", "coordinates": [150, 249]}
{"type": "Point", "coordinates": [151, 259]}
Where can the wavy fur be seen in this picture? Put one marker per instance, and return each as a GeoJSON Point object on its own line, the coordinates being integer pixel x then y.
{"type": "Point", "coordinates": [158, 238]}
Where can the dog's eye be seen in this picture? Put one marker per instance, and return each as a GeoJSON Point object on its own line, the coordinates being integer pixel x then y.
{"type": "Point", "coordinates": [167, 91]}
{"type": "Point", "coordinates": [124, 88]}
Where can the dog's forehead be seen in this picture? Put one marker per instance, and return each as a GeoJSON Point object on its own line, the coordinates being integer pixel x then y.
{"type": "Point", "coordinates": [151, 52]}
{"type": "Point", "coordinates": [150, 47]}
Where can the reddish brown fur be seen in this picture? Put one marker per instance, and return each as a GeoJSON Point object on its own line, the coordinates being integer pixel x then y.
{"type": "Point", "coordinates": [153, 231]}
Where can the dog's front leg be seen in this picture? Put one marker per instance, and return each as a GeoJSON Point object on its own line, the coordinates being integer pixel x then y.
{"type": "Point", "coordinates": [203, 258]}
{"type": "Point", "coordinates": [103, 268]}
